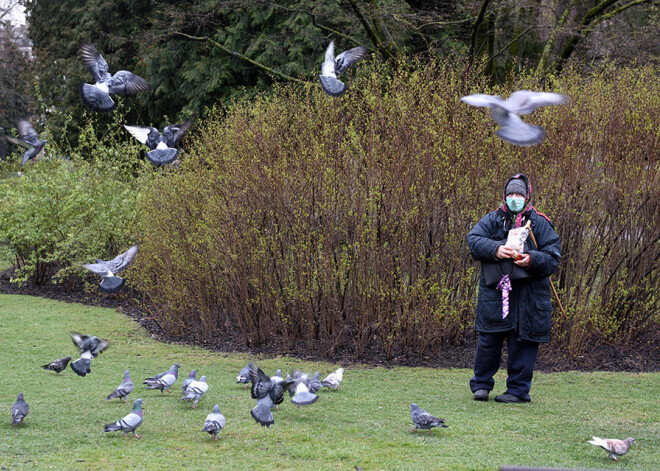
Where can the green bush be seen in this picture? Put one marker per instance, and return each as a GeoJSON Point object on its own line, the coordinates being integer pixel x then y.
{"type": "Point", "coordinates": [60, 213]}
{"type": "Point", "coordinates": [342, 223]}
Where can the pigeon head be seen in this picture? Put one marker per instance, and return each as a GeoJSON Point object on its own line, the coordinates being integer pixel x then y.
{"type": "Point", "coordinates": [414, 406]}
{"type": "Point", "coordinates": [629, 441]}
{"type": "Point", "coordinates": [20, 397]}
{"type": "Point", "coordinates": [193, 373]}
{"type": "Point", "coordinates": [175, 366]}
{"type": "Point", "coordinates": [67, 358]}
{"type": "Point", "coordinates": [127, 375]}
{"type": "Point", "coordinates": [216, 409]}
{"type": "Point", "coordinates": [137, 405]}
{"type": "Point", "coordinates": [202, 379]}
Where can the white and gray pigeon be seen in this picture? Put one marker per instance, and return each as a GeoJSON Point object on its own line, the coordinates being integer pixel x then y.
{"type": "Point", "coordinates": [302, 396]}
{"type": "Point", "coordinates": [58, 365]}
{"type": "Point", "coordinates": [19, 410]}
{"type": "Point", "coordinates": [195, 391]}
{"type": "Point", "coordinates": [123, 390]}
{"type": "Point", "coordinates": [333, 380]}
{"type": "Point", "coordinates": [163, 381]}
{"type": "Point", "coordinates": [90, 347]}
{"type": "Point", "coordinates": [614, 447]}
{"type": "Point", "coordinates": [244, 376]}
{"type": "Point", "coordinates": [214, 422]}
{"type": "Point", "coordinates": [261, 412]}
{"type": "Point", "coordinates": [163, 146]}
{"type": "Point", "coordinates": [507, 113]}
{"type": "Point", "coordinates": [129, 423]}
{"type": "Point", "coordinates": [28, 135]}
{"type": "Point", "coordinates": [97, 97]}
{"type": "Point", "coordinates": [424, 420]}
{"type": "Point", "coordinates": [333, 67]}
{"type": "Point", "coordinates": [315, 383]}
{"type": "Point", "coordinates": [191, 377]}
{"type": "Point", "coordinates": [107, 270]}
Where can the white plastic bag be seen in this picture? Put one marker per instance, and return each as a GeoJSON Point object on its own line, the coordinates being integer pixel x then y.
{"type": "Point", "coordinates": [516, 239]}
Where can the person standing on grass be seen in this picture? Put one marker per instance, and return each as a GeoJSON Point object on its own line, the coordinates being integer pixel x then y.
{"type": "Point", "coordinates": [516, 311]}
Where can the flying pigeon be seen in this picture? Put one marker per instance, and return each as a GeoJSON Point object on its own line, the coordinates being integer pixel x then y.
{"type": "Point", "coordinates": [303, 397]}
{"type": "Point", "coordinates": [129, 423]}
{"type": "Point", "coordinates": [163, 146]}
{"type": "Point", "coordinates": [214, 422]}
{"type": "Point", "coordinates": [123, 390]}
{"type": "Point", "coordinates": [423, 419]}
{"type": "Point", "coordinates": [19, 410]}
{"type": "Point", "coordinates": [507, 113]}
{"type": "Point", "coordinates": [164, 380]}
{"type": "Point", "coordinates": [28, 135]}
{"type": "Point", "coordinates": [333, 380]}
{"type": "Point", "coordinates": [244, 376]}
{"type": "Point", "coordinates": [261, 412]}
{"type": "Point", "coordinates": [613, 446]}
{"type": "Point", "coordinates": [90, 347]}
{"type": "Point", "coordinates": [315, 383]}
{"type": "Point", "coordinates": [191, 377]}
{"type": "Point", "coordinates": [195, 391]}
{"type": "Point", "coordinates": [333, 66]}
{"type": "Point", "coordinates": [97, 97]}
{"type": "Point", "coordinates": [263, 385]}
{"type": "Point", "coordinates": [107, 269]}
{"type": "Point", "coordinates": [58, 365]}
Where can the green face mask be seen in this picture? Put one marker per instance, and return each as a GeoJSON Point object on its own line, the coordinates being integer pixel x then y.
{"type": "Point", "coordinates": [515, 203]}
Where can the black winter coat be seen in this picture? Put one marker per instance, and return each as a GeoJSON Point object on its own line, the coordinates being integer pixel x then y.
{"type": "Point", "coordinates": [530, 306]}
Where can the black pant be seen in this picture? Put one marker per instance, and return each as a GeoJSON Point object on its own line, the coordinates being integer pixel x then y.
{"type": "Point", "coordinates": [522, 358]}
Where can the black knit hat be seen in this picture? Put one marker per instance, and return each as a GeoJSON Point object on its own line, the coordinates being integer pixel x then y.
{"type": "Point", "coordinates": [517, 185]}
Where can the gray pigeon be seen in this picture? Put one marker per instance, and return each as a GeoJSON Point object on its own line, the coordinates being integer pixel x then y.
{"type": "Point", "coordinates": [97, 97]}
{"type": "Point", "coordinates": [191, 377]}
{"type": "Point", "coordinates": [123, 390]}
{"type": "Point", "coordinates": [292, 384]}
{"type": "Point", "coordinates": [614, 447]}
{"type": "Point", "coordinates": [303, 397]}
{"type": "Point", "coordinates": [195, 391]}
{"type": "Point", "coordinates": [163, 146]}
{"type": "Point", "coordinates": [107, 270]}
{"type": "Point", "coordinates": [315, 383]}
{"type": "Point", "coordinates": [27, 134]}
{"type": "Point", "coordinates": [244, 376]}
{"type": "Point", "coordinates": [19, 410]}
{"type": "Point", "coordinates": [58, 365]}
{"type": "Point", "coordinates": [507, 113]}
{"type": "Point", "coordinates": [129, 423]}
{"type": "Point", "coordinates": [214, 422]}
{"type": "Point", "coordinates": [424, 420]}
{"type": "Point", "coordinates": [263, 385]}
{"type": "Point", "coordinates": [333, 66]}
{"type": "Point", "coordinates": [163, 381]}
{"type": "Point", "coordinates": [261, 412]}
{"type": "Point", "coordinates": [90, 347]}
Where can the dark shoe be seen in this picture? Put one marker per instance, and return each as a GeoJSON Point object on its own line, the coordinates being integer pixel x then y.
{"type": "Point", "coordinates": [509, 398]}
{"type": "Point", "coordinates": [481, 395]}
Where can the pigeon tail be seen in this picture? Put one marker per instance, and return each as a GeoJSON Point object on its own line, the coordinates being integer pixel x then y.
{"type": "Point", "coordinates": [82, 366]}
{"type": "Point", "coordinates": [160, 157]}
{"type": "Point", "coordinates": [304, 398]}
{"type": "Point", "coordinates": [332, 86]}
{"type": "Point", "coordinates": [528, 135]}
{"type": "Point", "coordinates": [95, 99]}
{"type": "Point", "coordinates": [112, 284]}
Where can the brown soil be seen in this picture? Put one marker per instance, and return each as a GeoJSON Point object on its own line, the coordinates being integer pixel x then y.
{"type": "Point", "coordinates": [643, 355]}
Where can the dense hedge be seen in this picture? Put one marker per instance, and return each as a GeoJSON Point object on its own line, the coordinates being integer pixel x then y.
{"type": "Point", "coordinates": [342, 223]}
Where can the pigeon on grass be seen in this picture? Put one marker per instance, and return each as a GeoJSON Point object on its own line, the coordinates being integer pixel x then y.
{"type": "Point", "coordinates": [163, 381]}
{"type": "Point", "coordinates": [163, 146]}
{"type": "Point", "coordinates": [58, 365]}
{"type": "Point", "coordinates": [90, 347]}
{"type": "Point", "coordinates": [303, 397]}
{"type": "Point", "coordinates": [97, 97]}
{"type": "Point", "coordinates": [214, 422]}
{"type": "Point", "coordinates": [191, 377]}
{"type": "Point", "coordinates": [333, 67]}
{"type": "Point", "coordinates": [333, 380]}
{"type": "Point", "coordinates": [123, 390]}
{"type": "Point", "coordinates": [507, 113]}
{"type": "Point", "coordinates": [614, 447]}
{"type": "Point", "coordinates": [129, 423]}
{"type": "Point", "coordinates": [244, 376]}
{"type": "Point", "coordinates": [424, 420]}
{"type": "Point", "coordinates": [19, 410]}
{"type": "Point", "coordinates": [195, 391]}
{"type": "Point", "coordinates": [107, 269]}
{"type": "Point", "coordinates": [315, 383]}
{"type": "Point", "coordinates": [29, 139]}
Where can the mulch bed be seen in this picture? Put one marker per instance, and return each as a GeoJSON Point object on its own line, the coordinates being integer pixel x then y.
{"type": "Point", "coordinates": [643, 355]}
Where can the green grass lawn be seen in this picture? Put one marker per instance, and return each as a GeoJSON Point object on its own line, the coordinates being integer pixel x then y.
{"type": "Point", "coordinates": [365, 423]}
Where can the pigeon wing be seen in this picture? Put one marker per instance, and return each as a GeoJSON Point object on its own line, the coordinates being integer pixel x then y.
{"type": "Point", "coordinates": [515, 130]}
{"type": "Point", "coordinates": [328, 66]}
{"type": "Point", "coordinates": [26, 132]}
{"type": "Point", "coordinates": [332, 86]}
{"type": "Point", "coordinates": [348, 58]}
{"type": "Point", "coordinates": [524, 101]}
{"type": "Point", "coordinates": [482, 100]}
{"type": "Point", "coordinates": [175, 132]}
{"type": "Point", "coordinates": [127, 82]}
{"type": "Point", "coordinates": [94, 62]}
{"type": "Point", "coordinates": [121, 261]}
{"type": "Point", "coordinates": [98, 268]}
{"type": "Point", "coordinates": [142, 133]}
